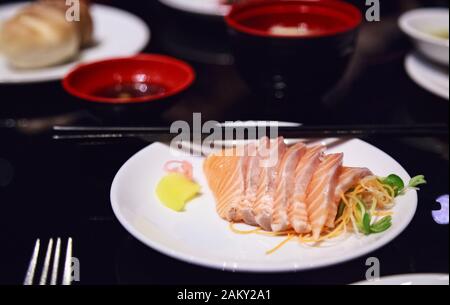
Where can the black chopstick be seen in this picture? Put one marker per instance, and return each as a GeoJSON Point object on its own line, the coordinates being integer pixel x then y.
{"type": "Point", "coordinates": [343, 131]}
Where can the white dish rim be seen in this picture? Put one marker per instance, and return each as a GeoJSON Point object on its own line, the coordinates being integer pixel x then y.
{"type": "Point", "coordinates": [208, 9]}
{"type": "Point", "coordinates": [404, 277]}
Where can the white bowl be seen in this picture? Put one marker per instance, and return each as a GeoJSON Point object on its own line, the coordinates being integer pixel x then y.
{"type": "Point", "coordinates": [420, 25]}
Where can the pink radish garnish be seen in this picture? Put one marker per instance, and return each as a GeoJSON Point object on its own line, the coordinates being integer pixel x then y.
{"type": "Point", "coordinates": [180, 167]}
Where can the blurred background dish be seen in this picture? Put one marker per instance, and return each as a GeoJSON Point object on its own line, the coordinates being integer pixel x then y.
{"type": "Point", "coordinates": [430, 76]}
{"type": "Point", "coordinates": [291, 49]}
{"type": "Point", "coordinates": [429, 30]}
{"type": "Point", "coordinates": [116, 33]}
{"type": "Point", "coordinates": [202, 7]}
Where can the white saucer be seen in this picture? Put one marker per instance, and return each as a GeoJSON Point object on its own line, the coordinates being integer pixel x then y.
{"type": "Point", "coordinates": [430, 76]}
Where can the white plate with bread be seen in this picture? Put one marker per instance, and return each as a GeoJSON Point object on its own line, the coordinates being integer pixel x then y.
{"type": "Point", "coordinates": [38, 42]}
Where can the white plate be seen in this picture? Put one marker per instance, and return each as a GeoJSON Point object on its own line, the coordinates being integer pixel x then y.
{"type": "Point", "coordinates": [431, 77]}
{"type": "Point", "coordinates": [202, 7]}
{"type": "Point", "coordinates": [200, 236]}
{"type": "Point", "coordinates": [117, 34]}
{"type": "Point", "coordinates": [411, 280]}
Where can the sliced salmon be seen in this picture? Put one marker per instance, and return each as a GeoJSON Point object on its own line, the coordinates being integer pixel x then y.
{"type": "Point", "coordinates": [321, 192]}
{"type": "Point", "coordinates": [348, 177]}
{"type": "Point", "coordinates": [252, 172]}
{"type": "Point", "coordinates": [224, 172]}
{"type": "Point", "coordinates": [298, 215]}
{"type": "Point", "coordinates": [285, 187]}
{"type": "Point", "coordinates": [271, 152]}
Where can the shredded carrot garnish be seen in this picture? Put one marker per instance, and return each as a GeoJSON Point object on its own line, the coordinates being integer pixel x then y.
{"type": "Point", "coordinates": [288, 239]}
{"type": "Point", "coordinates": [237, 231]}
{"type": "Point", "coordinates": [383, 213]}
{"type": "Point", "coordinates": [262, 232]}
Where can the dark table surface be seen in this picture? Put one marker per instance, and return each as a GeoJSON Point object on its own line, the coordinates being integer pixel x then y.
{"type": "Point", "coordinates": [50, 189]}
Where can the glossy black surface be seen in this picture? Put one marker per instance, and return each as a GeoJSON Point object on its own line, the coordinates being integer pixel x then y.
{"type": "Point", "coordinates": [51, 189]}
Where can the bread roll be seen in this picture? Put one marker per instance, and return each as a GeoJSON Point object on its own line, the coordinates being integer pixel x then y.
{"type": "Point", "coordinates": [40, 36]}
{"type": "Point", "coordinates": [85, 25]}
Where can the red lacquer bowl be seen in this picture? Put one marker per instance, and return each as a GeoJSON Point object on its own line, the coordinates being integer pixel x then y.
{"type": "Point", "coordinates": [322, 17]}
{"type": "Point", "coordinates": [86, 80]}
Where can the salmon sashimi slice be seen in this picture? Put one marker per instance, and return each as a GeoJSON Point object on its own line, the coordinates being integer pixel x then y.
{"type": "Point", "coordinates": [321, 192]}
{"type": "Point", "coordinates": [224, 172]}
{"type": "Point", "coordinates": [252, 172]}
{"type": "Point", "coordinates": [348, 177]}
{"type": "Point", "coordinates": [271, 152]}
{"type": "Point", "coordinates": [285, 187]}
{"type": "Point", "coordinates": [298, 215]}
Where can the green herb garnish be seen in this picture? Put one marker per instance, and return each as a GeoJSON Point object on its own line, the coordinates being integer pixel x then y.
{"type": "Point", "coordinates": [367, 228]}
{"type": "Point", "coordinates": [398, 185]}
{"type": "Point", "coordinates": [416, 181]}
{"type": "Point", "coordinates": [362, 214]}
{"type": "Point", "coordinates": [341, 210]}
{"type": "Point", "coordinates": [366, 224]}
{"type": "Point", "coordinates": [382, 225]}
{"type": "Point", "coordinates": [395, 182]}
